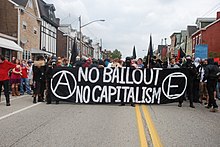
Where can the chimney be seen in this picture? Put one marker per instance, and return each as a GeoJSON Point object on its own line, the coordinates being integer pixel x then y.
{"type": "Point", "coordinates": [218, 15]}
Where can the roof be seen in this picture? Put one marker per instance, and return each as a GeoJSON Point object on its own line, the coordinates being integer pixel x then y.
{"type": "Point", "coordinates": [44, 11]}
{"type": "Point", "coordinates": [191, 30]}
{"type": "Point", "coordinates": [21, 2]}
{"type": "Point", "coordinates": [174, 34]}
{"type": "Point", "coordinates": [205, 20]}
{"type": "Point", "coordinates": [203, 29]}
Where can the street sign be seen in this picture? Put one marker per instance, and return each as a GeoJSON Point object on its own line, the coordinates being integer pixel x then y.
{"type": "Point", "coordinates": [201, 51]}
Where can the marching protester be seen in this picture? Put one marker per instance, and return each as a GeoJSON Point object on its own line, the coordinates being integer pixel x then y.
{"type": "Point", "coordinates": [39, 70]}
{"type": "Point", "coordinates": [16, 78]}
{"type": "Point", "coordinates": [30, 72]}
{"type": "Point", "coordinates": [24, 78]}
{"type": "Point", "coordinates": [5, 66]}
{"type": "Point", "coordinates": [116, 63]}
{"type": "Point", "coordinates": [158, 63]}
{"type": "Point", "coordinates": [216, 94]}
{"type": "Point", "coordinates": [196, 81]}
{"type": "Point", "coordinates": [101, 63]}
{"type": "Point", "coordinates": [140, 63]}
{"type": "Point", "coordinates": [211, 71]}
{"type": "Point", "coordinates": [128, 63]}
{"type": "Point", "coordinates": [173, 64]}
{"type": "Point", "coordinates": [94, 63]}
{"type": "Point", "coordinates": [49, 67]}
{"type": "Point", "coordinates": [203, 92]}
{"type": "Point", "coordinates": [190, 79]}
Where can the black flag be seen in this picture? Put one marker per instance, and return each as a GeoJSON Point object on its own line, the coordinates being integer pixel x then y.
{"type": "Point", "coordinates": [134, 53]}
{"type": "Point", "coordinates": [73, 53]}
{"type": "Point", "coordinates": [149, 54]}
{"type": "Point", "coordinates": [150, 48]}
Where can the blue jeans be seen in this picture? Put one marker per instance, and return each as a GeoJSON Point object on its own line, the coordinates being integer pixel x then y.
{"type": "Point", "coordinates": [217, 90]}
{"type": "Point", "coordinates": [27, 85]}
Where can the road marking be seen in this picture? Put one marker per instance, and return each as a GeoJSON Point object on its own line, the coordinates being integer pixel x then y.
{"type": "Point", "coordinates": [19, 97]}
{"type": "Point", "coordinates": [153, 132]}
{"type": "Point", "coordinates": [18, 111]}
{"type": "Point", "coordinates": [142, 136]}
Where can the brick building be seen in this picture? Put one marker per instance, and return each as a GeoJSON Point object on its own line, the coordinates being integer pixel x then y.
{"type": "Point", "coordinates": [65, 39]}
{"type": "Point", "coordinates": [210, 35]}
{"type": "Point", "coordinates": [175, 44]}
{"type": "Point", "coordinates": [21, 19]}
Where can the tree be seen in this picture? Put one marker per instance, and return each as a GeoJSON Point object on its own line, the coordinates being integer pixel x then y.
{"type": "Point", "coordinates": [116, 54]}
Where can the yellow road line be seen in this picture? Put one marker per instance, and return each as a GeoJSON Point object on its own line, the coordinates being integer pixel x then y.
{"type": "Point", "coordinates": [142, 136]}
{"type": "Point", "coordinates": [153, 132]}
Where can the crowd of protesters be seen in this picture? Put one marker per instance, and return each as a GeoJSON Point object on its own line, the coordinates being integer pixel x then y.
{"type": "Point", "coordinates": [33, 77]}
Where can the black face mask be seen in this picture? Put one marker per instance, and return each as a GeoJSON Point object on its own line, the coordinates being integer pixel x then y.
{"type": "Point", "coordinates": [188, 61]}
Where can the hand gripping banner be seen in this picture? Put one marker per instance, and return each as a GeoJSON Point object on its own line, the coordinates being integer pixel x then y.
{"type": "Point", "coordinates": [118, 85]}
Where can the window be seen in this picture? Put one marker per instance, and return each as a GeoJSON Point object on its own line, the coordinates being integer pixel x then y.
{"type": "Point", "coordinates": [30, 4]}
{"type": "Point", "coordinates": [24, 25]}
{"type": "Point", "coordinates": [35, 31]}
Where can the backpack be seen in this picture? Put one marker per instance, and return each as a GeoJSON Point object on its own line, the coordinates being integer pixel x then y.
{"type": "Point", "coordinates": [214, 72]}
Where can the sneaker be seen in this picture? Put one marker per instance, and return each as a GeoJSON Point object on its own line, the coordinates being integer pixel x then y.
{"type": "Point", "coordinates": [8, 104]}
{"type": "Point", "coordinates": [179, 105]}
{"type": "Point", "coordinates": [132, 105]}
{"type": "Point", "coordinates": [214, 110]}
{"type": "Point", "coordinates": [207, 106]}
{"type": "Point", "coordinates": [192, 106]}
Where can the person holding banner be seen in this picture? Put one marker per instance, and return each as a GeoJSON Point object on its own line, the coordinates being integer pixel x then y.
{"type": "Point", "coordinates": [39, 79]}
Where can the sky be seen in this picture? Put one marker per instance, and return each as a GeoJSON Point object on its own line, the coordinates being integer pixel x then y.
{"type": "Point", "coordinates": [130, 23]}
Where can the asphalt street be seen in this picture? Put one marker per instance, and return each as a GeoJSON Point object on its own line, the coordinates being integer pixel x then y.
{"type": "Point", "coordinates": [25, 124]}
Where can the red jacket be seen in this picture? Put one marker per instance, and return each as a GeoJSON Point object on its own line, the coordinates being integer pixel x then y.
{"type": "Point", "coordinates": [4, 68]}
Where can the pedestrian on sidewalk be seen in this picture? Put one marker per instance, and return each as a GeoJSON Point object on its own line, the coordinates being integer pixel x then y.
{"type": "Point", "coordinates": [16, 78]}
{"type": "Point", "coordinates": [5, 66]}
{"type": "Point", "coordinates": [24, 78]}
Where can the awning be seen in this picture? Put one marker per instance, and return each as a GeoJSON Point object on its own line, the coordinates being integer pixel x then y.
{"type": "Point", "coordinates": [37, 51]}
{"type": "Point", "coordinates": [8, 44]}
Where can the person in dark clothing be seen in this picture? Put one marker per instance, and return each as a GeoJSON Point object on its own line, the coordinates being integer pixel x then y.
{"type": "Point", "coordinates": [95, 63]}
{"type": "Point", "coordinates": [158, 64]}
{"type": "Point", "coordinates": [211, 72]}
{"type": "Point", "coordinates": [190, 78]}
{"type": "Point", "coordinates": [127, 63]}
{"type": "Point", "coordinates": [196, 81]}
{"type": "Point", "coordinates": [39, 79]}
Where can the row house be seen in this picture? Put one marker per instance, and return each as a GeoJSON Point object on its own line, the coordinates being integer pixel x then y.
{"type": "Point", "coordinates": [21, 19]}
{"type": "Point", "coordinates": [65, 40]}
{"type": "Point", "coordinates": [49, 26]}
{"type": "Point", "coordinates": [32, 23]}
{"type": "Point", "coordinates": [189, 31]}
{"type": "Point", "coordinates": [208, 34]}
{"type": "Point", "coordinates": [175, 44]}
{"type": "Point", "coordinates": [185, 40]}
{"type": "Point", "coordinates": [97, 51]}
{"type": "Point", "coordinates": [87, 50]}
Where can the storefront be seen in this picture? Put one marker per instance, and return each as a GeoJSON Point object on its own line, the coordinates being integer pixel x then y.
{"type": "Point", "coordinates": [9, 49]}
{"type": "Point", "coordinates": [37, 52]}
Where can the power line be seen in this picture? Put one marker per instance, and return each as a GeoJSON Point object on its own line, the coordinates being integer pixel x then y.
{"type": "Point", "coordinates": [212, 9]}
